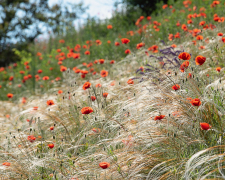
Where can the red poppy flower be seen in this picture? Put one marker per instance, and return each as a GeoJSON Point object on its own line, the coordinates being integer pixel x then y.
{"type": "Point", "coordinates": [50, 102]}
{"type": "Point", "coordinates": [164, 6]}
{"type": "Point", "coordinates": [105, 94]}
{"type": "Point", "coordinates": [199, 60]}
{"type": "Point", "coordinates": [140, 45]}
{"type": "Point", "coordinates": [178, 24]}
{"type": "Point", "coordinates": [39, 71]}
{"type": "Point", "coordinates": [24, 100]}
{"type": "Point", "coordinates": [35, 108]}
{"type": "Point", "coordinates": [63, 68]}
{"type": "Point", "coordinates": [22, 72]}
{"type": "Point", "coordinates": [86, 85]}
{"type": "Point", "coordinates": [205, 126]}
{"type": "Point", "coordinates": [11, 78]}
{"type": "Point", "coordinates": [127, 51]}
{"type": "Point", "coordinates": [108, 41]}
{"type": "Point", "coordinates": [189, 75]}
{"type": "Point", "coordinates": [51, 128]}
{"type": "Point", "coordinates": [125, 41]}
{"type": "Point", "coordinates": [98, 85]}
{"type": "Point", "coordinates": [112, 62]}
{"type": "Point", "coordinates": [223, 39]}
{"type": "Point", "coordinates": [218, 69]}
{"type": "Point", "coordinates": [29, 76]}
{"type": "Point", "coordinates": [45, 78]}
{"type": "Point", "coordinates": [184, 27]}
{"type": "Point", "coordinates": [86, 110]}
{"type": "Point", "coordinates": [104, 73]}
{"type": "Point", "coordinates": [93, 98]}
{"type": "Point", "coordinates": [149, 18]}
{"type": "Point", "coordinates": [87, 53]}
{"type": "Point", "coordinates": [77, 55]}
{"type": "Point", "coordinates": [84, 71]}
{"type": "Point", "coordinates": [190, 21]}
{"type": "Point", "coordinates": [77, 71]}
{"type": "Point", "coordinates": [201, 47]}
{"type": "Point", "coordinates": [58, 50]}
{"type": "Point", "coordinates": [220, 34]}
{"type": "Point", "coordinates": [51, 146]}
{"type": "Point", "coordinates": [130, 81]}
{"type": "Point", "coordinates": [57, 78]}
{"type": "Point", "coordinates": [175, 87]}
{"type": "Point", "coordinates": [184, 56]}
{"type": "Point", "coordinates": [31, 138]}
{"type": "Point", "coordinates": [9, 95]}
{"type": "Point", "coordinates": [196, 102]}
{"type": "Point", "coordinates": [159, 117]}
{"type": "Point", "coordinates": [96, 130]}
{"type": "Point", "coordinates": [101, 61]}
{"type": "Point", "coordinates": [6, 164]}
{"type": "Point", "coordinates": [90, 64]}
{"type": "Point", "coordinates": [184, 66]}
{"type": "Point", "coordinates": [77, 47]}
{"type": "Point", "coordinates": [117, 43]}
{"type": "Point", "coordinates": [199, 37]}
{"type": "Point", "coordinates": [60, 92]}
{"type": "Point", "coordinates": [82, 75]}
{"type": "Point", "coordinates": [174, 45]}
{"type": "Point", "coordinates": [104, 165]}
{"type": "Point", "coordinates": [91, 69]}
{"type": "Point", "coordinates": [38, 54]}
{"type": "Point", "coordinates": [109, 26]}
{"type": "Point", "coordinates": [98, 42]}
{"type": "Point", "coordinates": [202, 23]}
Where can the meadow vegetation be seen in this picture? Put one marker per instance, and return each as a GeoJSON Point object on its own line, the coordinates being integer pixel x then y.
{"type": "Point", "coordinates": [120, 101]}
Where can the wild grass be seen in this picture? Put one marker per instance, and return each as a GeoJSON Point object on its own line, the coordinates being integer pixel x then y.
{"type": "Point", "coordinates": [122, 129]}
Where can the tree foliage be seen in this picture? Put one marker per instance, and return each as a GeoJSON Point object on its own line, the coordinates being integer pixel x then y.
{"type": "Point", "coordinates": [146, 6]}
{"type": "Point", "coordinates": [21, 21]}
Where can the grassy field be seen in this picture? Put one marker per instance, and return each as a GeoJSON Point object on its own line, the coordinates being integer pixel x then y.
{"type": "Point", "coordinates": [120, 101]}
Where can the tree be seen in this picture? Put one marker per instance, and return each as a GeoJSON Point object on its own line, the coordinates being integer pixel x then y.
{"type": "Point", "coordinates": [146, 6]}
{"type": "Point", "coordinates": [21, 21]}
